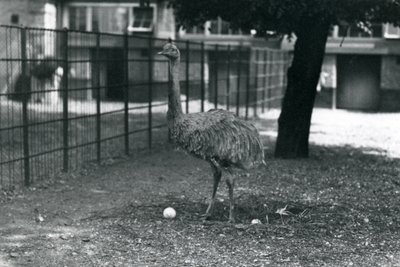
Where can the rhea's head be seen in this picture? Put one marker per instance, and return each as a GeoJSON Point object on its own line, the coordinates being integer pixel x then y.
{"type": "Point", "coordinates": [170, 51]}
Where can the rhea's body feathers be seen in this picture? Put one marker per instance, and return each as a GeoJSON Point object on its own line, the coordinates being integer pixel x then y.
{"type": "Point", "coordinates": [218, 135]}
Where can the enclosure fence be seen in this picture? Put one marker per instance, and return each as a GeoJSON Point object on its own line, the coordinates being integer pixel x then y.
{"type": "Point", "coordinates": [69, 98]}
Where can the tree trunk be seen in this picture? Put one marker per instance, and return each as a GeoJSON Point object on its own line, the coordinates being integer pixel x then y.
{"type": "Point", "coordinates": [298, 102]}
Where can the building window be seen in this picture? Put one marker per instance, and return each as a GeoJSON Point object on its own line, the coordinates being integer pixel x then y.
{"type": "Point", "coordinates": [110, 19]}
{"type": "Point", "coordinates": [113, 18]}
{"type": "Point", "coordinates": [14, 18]}
{"type": "Point", "coordinates": [143, 19]}
{"type": "Point", "coordinates": [214, 27]}
{"type": "Point", "coordinates": [77, 18]}
{"type": "Point", "coordinates": [391, 31]}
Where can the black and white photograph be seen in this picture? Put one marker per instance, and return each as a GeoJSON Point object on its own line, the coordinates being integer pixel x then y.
{"type": "Point", "coordinates": [150, 133]}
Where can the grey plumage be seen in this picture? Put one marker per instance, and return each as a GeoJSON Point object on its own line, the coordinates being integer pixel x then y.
{"type": "Point", "coordinates": [217, 136]}
{"type": "Point", "coordinates": [220, 135]}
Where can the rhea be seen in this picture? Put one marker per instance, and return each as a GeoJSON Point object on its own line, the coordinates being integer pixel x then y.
{"type": "Point", "coordinates": [219, 137]}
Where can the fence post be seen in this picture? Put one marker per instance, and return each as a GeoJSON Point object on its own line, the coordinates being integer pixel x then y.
{"type": "Point", "coordinates": [256, 82]}
{"type": "Point", "coordinates": [282, 74]}
{"type": "Point", "coordinates": [64, 54]}
{"type": "Point", "coordinates": [202, 54]}
{"type": "Point", "coordinates": [126, 93]}
{"type": "Point", "coordinates": [216, 77]}
{"type": "Point", "coordinates": [239, 66]}
{"type": "Point", "coordinates": [25, 96]}
{"type": "Point", "coordinates": [265, 73]}
{"type": "Point", "coordinates": [150, 74]}
{"type": "Point", "coordinates": [228, 78]}
{"type": "Point", "coordinates": [334, 89]}
{"type": "Point", "coordinates": [169, 88]}
{"type": "Point", "coordinates": [187, 75]}
{"type": "Point", "coordinates": [270, 76]}
{"type": "Point", "coordinates": [248, 83]}
{"type": "Point", "coordinates": [334, 97]}
{"type": "Point", "coordinates": [97, 88]}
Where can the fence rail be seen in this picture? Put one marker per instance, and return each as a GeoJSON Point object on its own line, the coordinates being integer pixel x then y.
{"type": "Point", "coordinates": [70, 97]}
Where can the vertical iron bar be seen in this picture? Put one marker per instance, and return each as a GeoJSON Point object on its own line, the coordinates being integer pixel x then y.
{"type": "Point", "coordinates": [256, 82]}
{"type": "Point", "coordinates": [334, 97]}
{"type": "Point", "coordinates": [334, 89]}
{"type": "Point", "coordinates": [64, 53]}
{"type": "Point", "coordinates": [98, 95]}
{"type": "Point", "coordinates": [202, 54]}
{"type": "Point", "coordinates": [126, 93]}
{"type": "Point", "coordinates": [248, 83]}
{"type": "Point", "coordinates": [150, 74]}
{"type": "Point", "coordinates": [284, 75]}
{"type": "Point", "coordinates": [270, 76]}
{"type": "Point", "coordinates": [216, 77]}
{"type": "Point", "coordinates": [187, 75]}
{"type": "Point", "coordinates": [25, 95]}
{"type": "Point", "coordinates": [239, 66]}
{"type": "Point", "coordinates": [169, 89]}
{"type": "Point", "coordinates": [265, 72]}
{"type": "Point", "coordinates": [228, 78]}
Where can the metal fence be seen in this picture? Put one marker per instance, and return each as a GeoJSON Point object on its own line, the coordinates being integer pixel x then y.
{"type": "Point", "coordinates": [68, 98]}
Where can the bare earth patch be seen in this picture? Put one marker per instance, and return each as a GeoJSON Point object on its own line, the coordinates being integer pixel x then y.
{"type": "Point", "coordinates": [342, 206]}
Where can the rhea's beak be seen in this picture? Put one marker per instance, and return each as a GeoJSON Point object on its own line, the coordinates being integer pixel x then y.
{"type": "Point", "coordinates": [161, 53]}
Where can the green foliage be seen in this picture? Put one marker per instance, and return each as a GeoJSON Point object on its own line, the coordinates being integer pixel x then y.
{"type": "Point", "coordinates": [286, 16]}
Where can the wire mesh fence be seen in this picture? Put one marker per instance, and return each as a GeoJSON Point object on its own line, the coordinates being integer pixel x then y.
{"type": "Point", "coordinates": [70, 97]}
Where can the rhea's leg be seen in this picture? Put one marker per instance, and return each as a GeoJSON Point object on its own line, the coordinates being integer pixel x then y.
{"type": "Point", "coordinates": [230, 182]}
{"type": "Point", "coordinates": [217, 178]}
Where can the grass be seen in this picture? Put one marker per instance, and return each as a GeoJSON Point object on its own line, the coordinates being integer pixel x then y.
{"type": "Point", "coordinates": [342, 207]}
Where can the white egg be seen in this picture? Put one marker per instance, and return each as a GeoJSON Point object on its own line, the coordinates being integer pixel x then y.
{"type": "Point", "coordinates": [255, 221]}
{"type": "Point", "coordinates": [169, 213]}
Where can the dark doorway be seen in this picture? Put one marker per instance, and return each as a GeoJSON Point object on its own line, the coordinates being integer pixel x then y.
{"type": "Point", "coordinates": [358, 82]}
{"type": "Point", "coordinates": [115, 74]}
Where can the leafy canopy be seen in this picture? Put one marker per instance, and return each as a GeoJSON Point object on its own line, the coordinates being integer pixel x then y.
{"type": "Point", "coordinates": [286, 16]}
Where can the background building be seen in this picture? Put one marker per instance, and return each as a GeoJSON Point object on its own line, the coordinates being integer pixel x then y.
{"type": "Point", "coordinates": [151, 18]}
{"type": "Point", "coordinates": [361, 68]}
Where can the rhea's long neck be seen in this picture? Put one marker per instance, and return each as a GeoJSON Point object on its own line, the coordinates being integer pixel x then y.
{"type": "Point", "coordinates": [174, 94]}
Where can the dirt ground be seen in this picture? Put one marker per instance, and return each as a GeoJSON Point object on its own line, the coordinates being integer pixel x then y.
{"type": "Point", "coordinates": [340, 207]}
